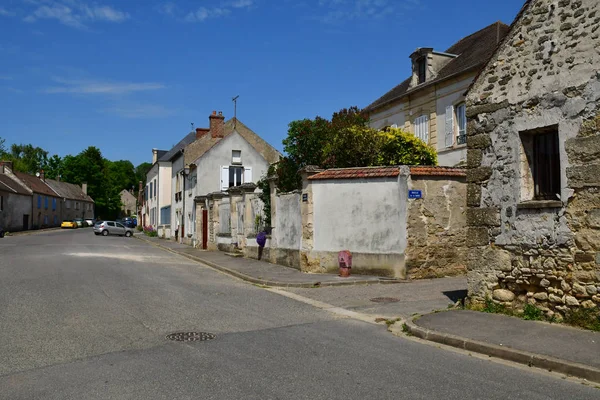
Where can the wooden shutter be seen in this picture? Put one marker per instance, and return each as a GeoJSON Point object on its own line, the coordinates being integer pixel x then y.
{"type": "Point", "coordinates": [449, 126]}
{"type": "Point", "coordinates": [247, 174]}
{"type": "Point", "coordinates": [224, 178]}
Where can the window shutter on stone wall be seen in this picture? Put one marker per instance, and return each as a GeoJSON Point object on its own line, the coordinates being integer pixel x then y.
{"type": "Point", "coordinates": [224, 178]}
{"type": "Point", "coordinates": [449, 126]}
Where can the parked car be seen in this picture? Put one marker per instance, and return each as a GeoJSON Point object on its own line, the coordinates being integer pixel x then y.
{"type": "Point", "coordinates": [79, 222]}
{"type": "Point", "coordinates": [90, 221]}
{"type": "Point", "coordinates": [69, 224]}
{"type": "Point", "coordinates": [131, 221]}
{"type": "Point", "coordinates": [106, 228]}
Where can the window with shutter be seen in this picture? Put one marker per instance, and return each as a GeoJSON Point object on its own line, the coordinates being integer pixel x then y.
{"type": "Point", "coordinates": [449, 126]}
{"type": "Point", "coordinates": [422, 128]}
{"type": "Point", "coordinates": [247, 174]}
{"type": "Point", "coordinates": [461, 119]}
{"type": "Point", "coordinates": [224, 178]}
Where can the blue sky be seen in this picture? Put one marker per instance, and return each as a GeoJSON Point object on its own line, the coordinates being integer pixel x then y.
{"type": "Point", "coordinates": [130, 75]}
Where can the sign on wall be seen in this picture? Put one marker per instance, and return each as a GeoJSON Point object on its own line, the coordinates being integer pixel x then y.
{"type": "Point", "coordinates": [415, 194]}
{"type": "Point", "coordinates": [304, 197]}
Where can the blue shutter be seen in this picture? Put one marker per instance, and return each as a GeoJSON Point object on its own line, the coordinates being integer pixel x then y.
{"type": "Point", "coordinates": [46, 202]}
{"type": "Point", "coordinates": [53, 205]}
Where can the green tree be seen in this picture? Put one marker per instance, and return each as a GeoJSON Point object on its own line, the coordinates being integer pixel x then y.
{"type": "Point", "coordinates": [2, 148]}
{"type": "Point", "coordinates": [53, 167]}
{"type": "Point", "coordinates": [27, 158]}
{"type": "Point", "coordinates": [398, 147]}
{"type": "Point", "coordinates": [141, 171]}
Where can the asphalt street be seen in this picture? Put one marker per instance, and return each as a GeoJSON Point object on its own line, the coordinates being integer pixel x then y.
{"type": "Point", "coordinates": [85, 317]}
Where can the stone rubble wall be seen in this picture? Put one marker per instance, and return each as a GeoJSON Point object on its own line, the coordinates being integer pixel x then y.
{"type": "Point", "coordinates": [544, 74]}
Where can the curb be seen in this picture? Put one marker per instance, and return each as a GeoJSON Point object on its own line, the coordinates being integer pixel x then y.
{"type": "Point", "coordinates": [31, 232]}
{"type": "Point", "coordinates": [266, 282]}
{"type": "Point", "coordinates": [506, 353]}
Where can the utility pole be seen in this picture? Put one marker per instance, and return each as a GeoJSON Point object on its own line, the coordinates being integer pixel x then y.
{"type": "Point", "coordinates": [235, 110]}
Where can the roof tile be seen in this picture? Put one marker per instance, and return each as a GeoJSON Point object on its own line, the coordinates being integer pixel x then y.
{"type": "Point", "coordinates": [357, 173]}
{"type": "Point", "coordinates": [437, 171]}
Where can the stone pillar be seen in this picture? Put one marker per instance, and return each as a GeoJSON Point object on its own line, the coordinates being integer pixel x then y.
{"type": "Point", "coordinates": [307, 264]}
{"type": "Point", "coordinates": [249, 218]}
{"type": "Point", "coordinates": [199, 206]}
{"type": "Point", "coordinates": [235, 197]}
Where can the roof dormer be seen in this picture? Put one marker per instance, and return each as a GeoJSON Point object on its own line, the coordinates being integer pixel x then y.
{"type": "Point", "coordinates": [426, 64]}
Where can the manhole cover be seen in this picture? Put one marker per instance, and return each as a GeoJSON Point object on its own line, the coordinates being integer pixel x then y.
{"type": "Point", "coordinates": [385, 300]}
{"type": "Point", "coordinates": [191, 336]}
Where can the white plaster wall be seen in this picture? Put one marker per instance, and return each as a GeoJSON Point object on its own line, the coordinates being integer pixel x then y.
{"type": "Point", "coordinates": [164, 185]}
{"type": "Point", "coordinates": [360, 215]}
{"type": "Point", "coordinates": [209, 165]}
{"type": "Point", "coordinates": [394, 115]}
{"type": "Point", "coordinates": [176, 167]}
{"type": "Point", "coordinates": [288, 221]}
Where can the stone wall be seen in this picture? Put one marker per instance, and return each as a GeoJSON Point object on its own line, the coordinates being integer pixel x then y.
{"type": "Point", "coordinates": [545, 74]}
{"type": "Point", "coordinates": [436, 226]}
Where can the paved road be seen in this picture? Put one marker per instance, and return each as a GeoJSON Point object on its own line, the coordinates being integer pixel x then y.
{"type": "Point", "coordinates": [85, 317]}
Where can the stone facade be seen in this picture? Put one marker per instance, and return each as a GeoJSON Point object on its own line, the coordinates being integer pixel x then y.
{"type": "Point", "coordinates": [544, 75]}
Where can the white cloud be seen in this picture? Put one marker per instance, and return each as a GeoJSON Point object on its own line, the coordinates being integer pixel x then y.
{"type": "Point", "coordinates": [74, 13]}
{"type": "Point", "coordinates": [344, 10]}
{"type": "Point", "coordinates": [83, 86]}
{"type": "Point", "coordinates": [242, 3]}
{"type": "Point", "coordinates": [5, 78]}
{"type": "Point", "coordinates": [169, 8]}
{"type": "Point", "coordinates": [204, 13]}
{"type": "Point", "coordinates": [140, 111]}
{"type": "Point", "coordinates": [5, 13]}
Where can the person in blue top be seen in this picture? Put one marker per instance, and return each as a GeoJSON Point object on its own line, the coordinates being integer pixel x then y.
{"type": "Point", "coordinates": [261, 239]}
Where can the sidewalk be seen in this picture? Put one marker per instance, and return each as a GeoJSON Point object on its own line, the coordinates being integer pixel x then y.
{"type": "Point", "coordinates": [554, 347]}
{"type": "Point", "coordinates": [261, 272]}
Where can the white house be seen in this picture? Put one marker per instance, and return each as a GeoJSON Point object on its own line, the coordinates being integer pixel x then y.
{"type": "Point", "coordinates": [431, 102]}
{"type": "Point", "coordinates": [226, 154]}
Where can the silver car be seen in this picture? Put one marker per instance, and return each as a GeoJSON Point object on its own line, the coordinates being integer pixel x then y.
{"type": "Point", "coordinates": [106, 228]}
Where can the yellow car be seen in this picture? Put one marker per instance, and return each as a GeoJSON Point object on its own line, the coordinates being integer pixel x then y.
{"type": "Point", "coordinates": [69, 224]}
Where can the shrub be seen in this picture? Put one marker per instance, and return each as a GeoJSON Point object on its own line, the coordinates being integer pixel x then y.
{"type": "Point", "coordinates": [150, 231]}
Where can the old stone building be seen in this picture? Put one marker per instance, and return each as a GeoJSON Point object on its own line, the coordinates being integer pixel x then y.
{"type": "Point", "coordinates": [534, 162]}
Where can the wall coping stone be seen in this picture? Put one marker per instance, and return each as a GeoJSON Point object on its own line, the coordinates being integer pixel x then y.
{"type": "Point", "coordinates": [540, 204]}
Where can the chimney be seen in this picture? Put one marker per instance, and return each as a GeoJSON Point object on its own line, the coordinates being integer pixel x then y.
{"type": "Point", "coordinates": [6, 166]}
{"type": "Point", "coordinates": [201, 132]}
{"type": "Point", "coordinates": [84, 187]}
{"type": "Point", "coordinates": [42, 175]}
{"type": "Point", "coordinates": [154, 155]}
{"type": "Point", "coordinates": [58, 178]}
{"type": "Point", "coordinates": [217, 124]}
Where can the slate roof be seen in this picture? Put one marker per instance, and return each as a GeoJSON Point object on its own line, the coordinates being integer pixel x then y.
{"type": "Point", "coordinates": [68, 190]}
{"type": "Point", "coordinates": [356, 173]}
{"type": "Point", "coordinates": [8, 184]}
{"type": "Point", "coordinates": [169, 155]}
{"type": "Point", "coordinates": [437, 171]}
{"type": "Point", "coordinates": [473, 52]}
{"type": "Point", "coordinates": [36, 184]}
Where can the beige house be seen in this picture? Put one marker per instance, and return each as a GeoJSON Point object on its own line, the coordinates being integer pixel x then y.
{"type": "Point", "coordinates": [431, 102]}
{"type": "Point", "coordinates": [128, 202]}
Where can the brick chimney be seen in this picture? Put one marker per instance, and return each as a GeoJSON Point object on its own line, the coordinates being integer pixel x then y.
{"type": "Point", "coordinates": [84, 187]}
{"type": "Point", "coordinates": [154, 156]}
{"type": "Point", "coordinates": [217, 124]}
{"type": "Point", "coordinates": [42, 175]}
{"type": "Point", "coordinates": [201, 132]}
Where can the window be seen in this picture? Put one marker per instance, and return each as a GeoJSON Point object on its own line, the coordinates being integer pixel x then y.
{"type": "Point", "coordinates": [68, 204]}
{"type": "Point", "coordinates": [151, 185]}
{"type": "Point", "coordinates": [422, 128]}
{"type": "Point", "coordinates": [45, 220]}
{"type": "Point", "coordinates": [461, 120]}
{"type": "Point", "coordinates": [235, 176]}
{"type": "Point", "coordinates": [119, 225]}
{"type": "Point", "coordinates": [236, 156]}
{"type": "Point", "coordinates": [422, 69]}
{"type": "Point", "coordinates": [77, 205]}
{"type": "Point", "coordinates": [39, 201]}
{"type": "Point", "coordinates": [111, 224]}
{"type": "Point", "coordinates": [154, 188]}
{"type": "Point", "coordinates": [54, 205]}
{"type": "Point", "coordinates": [45, 202]}
{"type": "Point", "coordinates": [55, 219]}
{"type": "Point", "coordinates": [540, 165]}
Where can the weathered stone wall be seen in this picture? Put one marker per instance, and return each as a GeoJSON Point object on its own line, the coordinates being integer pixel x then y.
{"type": "Point", "coordinates": [436, 227]}
{"type": "Point", "coordinates": [544, 74]}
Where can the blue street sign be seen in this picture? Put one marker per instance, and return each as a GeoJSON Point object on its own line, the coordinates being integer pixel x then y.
{"type": "Point", "coordinates": [414, 194]}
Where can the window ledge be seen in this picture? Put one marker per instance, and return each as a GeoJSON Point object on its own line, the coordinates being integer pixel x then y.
{"type": "Point", "coordinates": [539, 204]}
{"type": "Point", "coordinates": [225, 234]}
{"type": "Point", "coordinates": [453, 148]}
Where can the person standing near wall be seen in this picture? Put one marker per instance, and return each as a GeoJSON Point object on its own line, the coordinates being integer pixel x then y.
{"type": "Point", "coordinates": [261, 240]}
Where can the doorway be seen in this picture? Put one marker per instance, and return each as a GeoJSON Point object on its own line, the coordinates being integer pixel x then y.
{"type": "Point", "coordinates": [204, 229]}
{"type": "Point", "coordinates": [25, 222]}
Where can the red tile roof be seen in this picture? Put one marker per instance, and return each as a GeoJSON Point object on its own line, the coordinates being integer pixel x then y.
{"type": "Point", "coordinates": [10, 185]}
{"type": "Point", "coordinates": [437, 171]}
{"type": "Point", "coordinates": [36, 184]}
{"type": "Point", "coordinates": [357, 173]}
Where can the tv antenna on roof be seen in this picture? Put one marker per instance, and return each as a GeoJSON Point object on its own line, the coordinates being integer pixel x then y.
{"type": "Point", "coordinates": [191, 123]}
{"type": "Point", "coordinates": [235, 110]}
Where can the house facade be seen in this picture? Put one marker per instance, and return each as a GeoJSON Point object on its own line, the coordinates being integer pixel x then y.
{"type": "Point", "coordinates": [534, 163]}
{"type": "Point", "coordinates": [153, 200]}
{"type": "Point", "coordinates": [74, 201]}
{"type": "Point", "coordinates": [15, 201]}
{"type": "Point", "coordinates": [226, 155]}
{"type": "Point", "coordinates": [431, 102]}
{"type": "Point", "coordinates": [128, 203]}
{"type": "Point", "coordinates": [46, 203]}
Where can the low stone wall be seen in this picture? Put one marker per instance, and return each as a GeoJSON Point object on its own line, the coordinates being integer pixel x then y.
{"type": "Point", "coordinates": [164, 231]}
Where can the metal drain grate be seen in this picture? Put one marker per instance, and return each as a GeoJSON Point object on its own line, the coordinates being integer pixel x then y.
{"type": "Point", "coordinates": [191, 336]}
{"type": "Point", "coordinates": [385, 300]}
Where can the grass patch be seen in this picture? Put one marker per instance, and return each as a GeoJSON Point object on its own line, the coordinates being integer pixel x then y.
{"type": "Point", "coordinates": [406, 329]}
{"type": "Point", "coordinates": [532, 313]}
{"type": "Point", "coordinates": [390, 322]}
{"type": "Point", "coordinates": [586, 318]}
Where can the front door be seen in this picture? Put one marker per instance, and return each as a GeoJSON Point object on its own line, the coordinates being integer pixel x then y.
{"type": "Point", "coordinates": [204, 229]}
{"type": "Point", "coordinates": [25, 222]}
